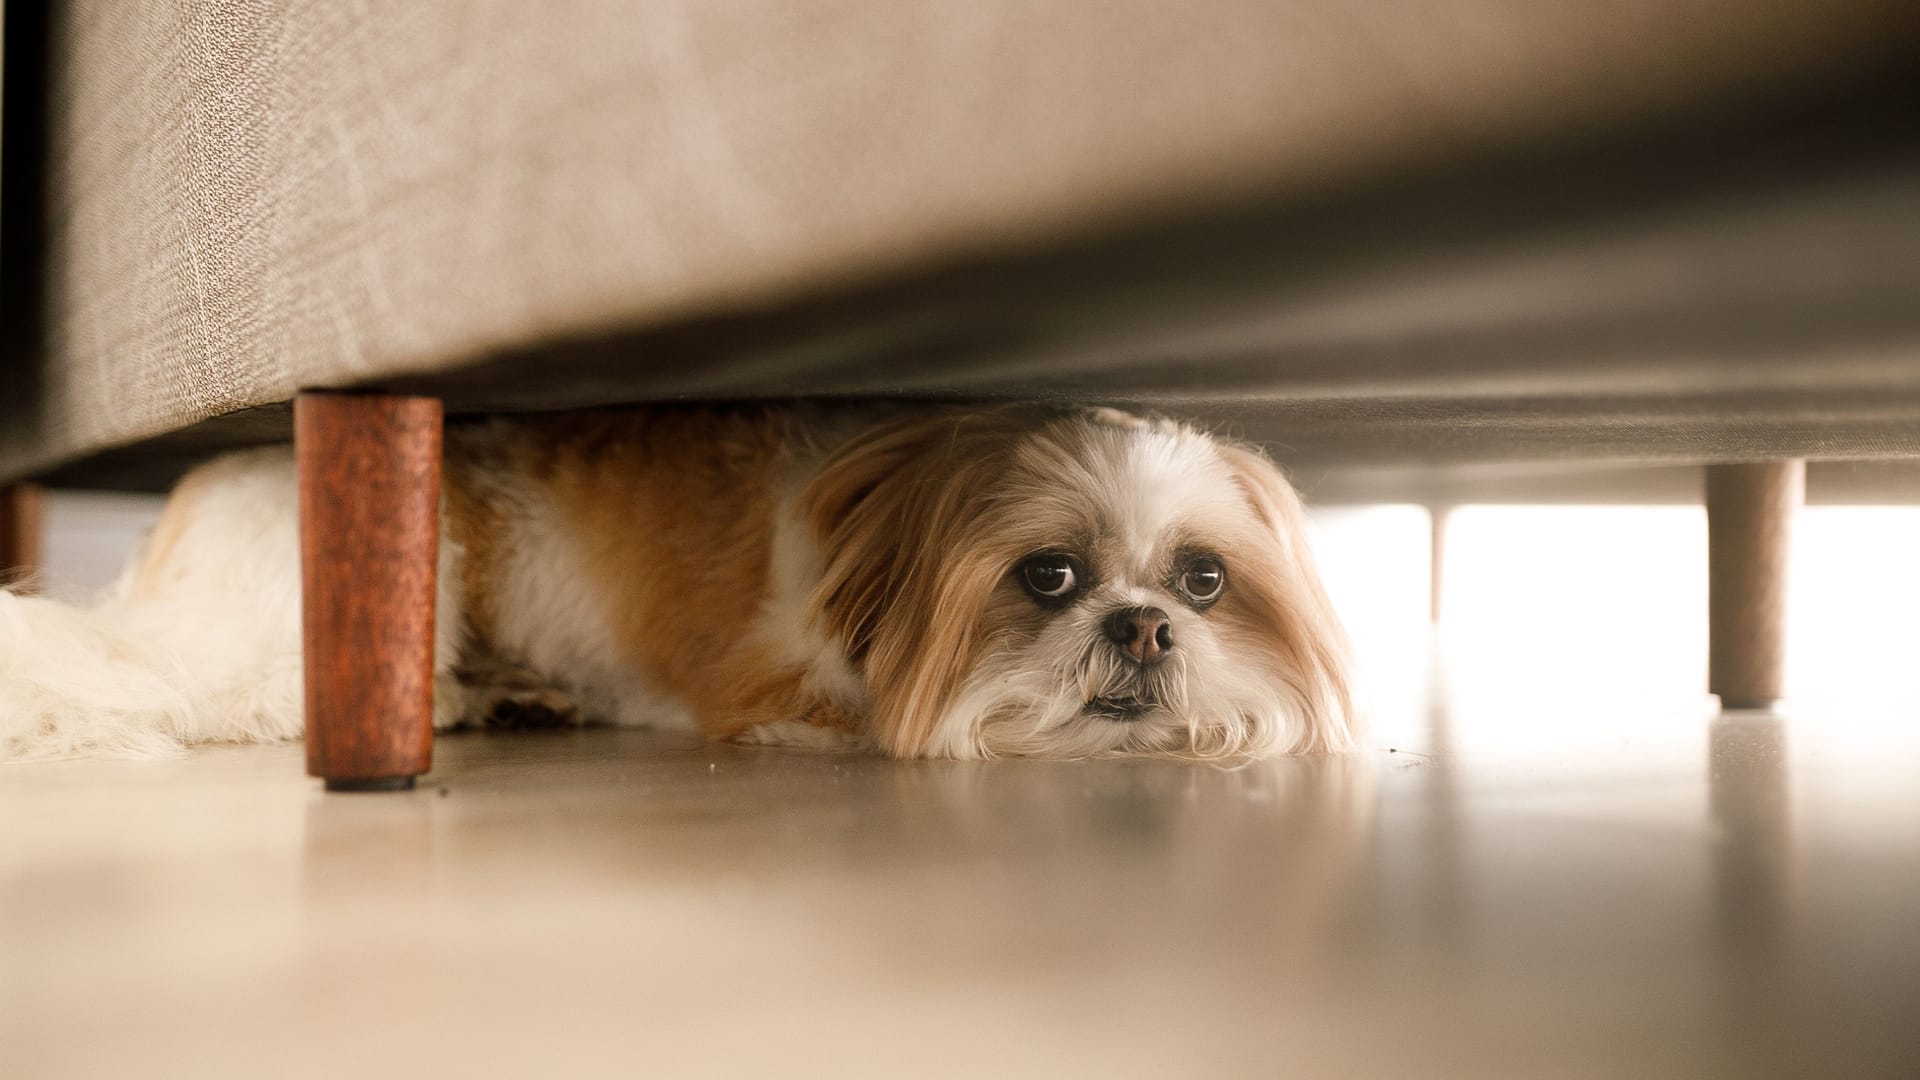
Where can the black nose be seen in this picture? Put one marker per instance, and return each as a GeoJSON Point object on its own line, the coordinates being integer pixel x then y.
{"type": "Point", "coordinates": [1142, 633]}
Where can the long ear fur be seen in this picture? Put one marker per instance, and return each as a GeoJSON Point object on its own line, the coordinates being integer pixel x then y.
{"type": "Point", "coordinates": [1300, 616]}
{"type": "Point", "coordinates": [909, 560]}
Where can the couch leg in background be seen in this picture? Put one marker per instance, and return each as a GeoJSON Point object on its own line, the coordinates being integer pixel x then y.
{"type": "Point", "coordinates": [1750, 512]}
{"type": "Point", "coordinates": [20, 533]}
{"type": "Point", "coordinates": [369, 468]}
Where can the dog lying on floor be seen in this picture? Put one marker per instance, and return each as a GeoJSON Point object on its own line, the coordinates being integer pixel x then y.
{"type": "Point", "coordinates": [925, 581]}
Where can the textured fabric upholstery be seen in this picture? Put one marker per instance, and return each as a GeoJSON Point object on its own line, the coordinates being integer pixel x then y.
{"type": "Point", "coordinates": [256, 196]}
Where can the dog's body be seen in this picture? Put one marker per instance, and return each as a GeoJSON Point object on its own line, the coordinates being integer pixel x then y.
{"type": "Point", "coordinates": [927, 581]}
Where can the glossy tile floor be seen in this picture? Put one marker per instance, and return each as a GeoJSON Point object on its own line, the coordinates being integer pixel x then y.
{"type": "Point", "coordinates": [1555, 861]}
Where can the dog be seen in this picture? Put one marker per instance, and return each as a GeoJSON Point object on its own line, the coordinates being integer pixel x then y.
{"type": "Point", "coordinates": [922, 581]}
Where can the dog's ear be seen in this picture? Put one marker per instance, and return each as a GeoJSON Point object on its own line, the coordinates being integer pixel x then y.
{"type": "Point", "coordinates": [1288, 606]}
{"type": "Point", "coordinates": [909, 564]}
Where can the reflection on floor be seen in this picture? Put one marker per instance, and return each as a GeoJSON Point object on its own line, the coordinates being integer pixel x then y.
{"type": "Point", "coordinates": [1553, 861]}
{"type": "Point", "coordinates": [1646, 895]}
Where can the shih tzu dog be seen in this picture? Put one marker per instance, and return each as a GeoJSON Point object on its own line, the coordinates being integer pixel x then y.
{"type": "Point", "coordinates": [925, 581]}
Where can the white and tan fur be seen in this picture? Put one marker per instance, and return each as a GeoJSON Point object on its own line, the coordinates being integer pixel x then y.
{"type": "Point", "coordinates": [796, 576]}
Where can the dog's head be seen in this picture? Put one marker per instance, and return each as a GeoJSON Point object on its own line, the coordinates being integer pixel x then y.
{"type": "Point", "coordinates": [1037, 581]}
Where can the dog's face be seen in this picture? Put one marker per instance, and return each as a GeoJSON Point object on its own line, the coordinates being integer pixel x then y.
{"type": "Point", "coordinates": [1024, 581]}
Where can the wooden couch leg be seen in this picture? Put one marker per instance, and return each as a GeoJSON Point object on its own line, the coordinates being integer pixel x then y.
{"type": "Point", "coordinates": [1750, 511]}
{"type": "Point", "coordinates": [20, 533]}
{"type": "Point", "coordinates": [369, 468]}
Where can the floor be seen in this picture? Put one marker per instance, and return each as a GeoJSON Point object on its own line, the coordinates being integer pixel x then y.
{"type": "Point", "coordinates": [1554, 860]}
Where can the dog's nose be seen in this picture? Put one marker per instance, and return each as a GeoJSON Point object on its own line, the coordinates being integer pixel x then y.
{"type": "Point", "coordinates": [1143, 633]}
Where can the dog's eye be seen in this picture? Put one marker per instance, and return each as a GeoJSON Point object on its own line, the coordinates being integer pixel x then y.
{"type": "Point", "coordinates": [1050, 577]}
{"type": "Point", "coordinates": [1202, 581]}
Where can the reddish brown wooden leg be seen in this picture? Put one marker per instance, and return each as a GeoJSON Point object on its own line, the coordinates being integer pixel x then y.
{"type": "Point", "coordinates": [20, 532]}
{"type": "Point", "coordinates": [369, 468]}
{"type": "Point", "coordinates": [1750, 511]}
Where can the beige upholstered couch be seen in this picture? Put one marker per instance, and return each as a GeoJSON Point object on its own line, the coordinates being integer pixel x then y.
{"type": "Point", "coordinates": [1490, 229]}
{"type": "Point", "coordinates": [1370, 233]}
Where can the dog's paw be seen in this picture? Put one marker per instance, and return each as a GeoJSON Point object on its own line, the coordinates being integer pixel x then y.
{"type": "Point", "coordinates": [517, 706]}
{"type": "Point", "coordinates": [510, 709]}
{"type": "Point", "coordinates": [824, 727]}
{"type": "Point", "coordinates": [502, 698]}
{"type": "Point", "coordinates": [799, 735]}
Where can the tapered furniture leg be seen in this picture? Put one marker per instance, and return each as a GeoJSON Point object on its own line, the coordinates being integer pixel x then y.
{"type": "Point", "coordinates": [1750, 512]}
{"type": "Point", "coordinates": [1436, 559]}
{"type": "Point", "coordinates": [19, 533]}
{"type": "Point", "coordinates": [369, 468]}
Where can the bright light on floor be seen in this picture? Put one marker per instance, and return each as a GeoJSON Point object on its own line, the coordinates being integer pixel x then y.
{"type": "Point", "coordinates": [1605, 606]}
{"type": "Point", "coordinates": [1853, 631]}
{"type": "Point", "coordinates": [1569, 604]}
